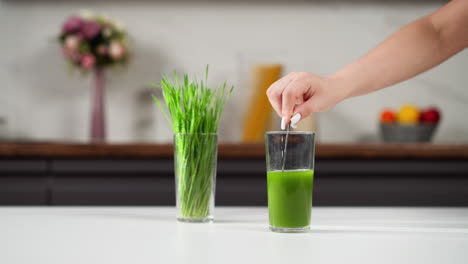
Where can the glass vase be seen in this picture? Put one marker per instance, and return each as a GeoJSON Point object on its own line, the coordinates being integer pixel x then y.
{"type": "Point", "coordinates": [98, 122]}
{"type": "Point", "coordinates": [195, 160]}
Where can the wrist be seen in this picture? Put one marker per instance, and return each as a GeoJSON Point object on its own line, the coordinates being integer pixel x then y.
{"type": "Point", "coordinates": [342, 86]}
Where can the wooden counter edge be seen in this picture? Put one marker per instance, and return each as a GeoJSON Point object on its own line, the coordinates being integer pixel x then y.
{"type": "Point", "coordinates": [232, 150]}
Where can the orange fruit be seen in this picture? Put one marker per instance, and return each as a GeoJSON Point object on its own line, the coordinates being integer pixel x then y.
{"type": "Point", "coordinates": [387, 116]}
{"type": "Point", "coordinates": [408, 115]}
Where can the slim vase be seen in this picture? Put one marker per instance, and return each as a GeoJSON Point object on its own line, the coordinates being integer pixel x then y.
{"type": "Point", "coordinates": [195, 159]}
{"type": "Point", "coordinates": [98, 126]}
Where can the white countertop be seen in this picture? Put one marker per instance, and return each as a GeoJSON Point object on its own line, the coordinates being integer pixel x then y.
{"type": "Point", "coordinates": [68, 235]}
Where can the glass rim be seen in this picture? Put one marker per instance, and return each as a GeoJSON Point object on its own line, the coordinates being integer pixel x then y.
{"type": "Point", "coordinates": [211, 134]}
{"type": "Point", "coordinates": [290, 132]}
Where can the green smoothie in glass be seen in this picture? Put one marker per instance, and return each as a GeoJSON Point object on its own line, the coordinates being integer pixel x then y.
{"type": "Point", "coordinates": [290, 197]}
{"type": "Point", "coordinates": [290, 176]}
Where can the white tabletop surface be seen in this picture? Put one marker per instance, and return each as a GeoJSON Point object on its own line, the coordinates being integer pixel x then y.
{"type": "Point", "coordinates": [68, 235]}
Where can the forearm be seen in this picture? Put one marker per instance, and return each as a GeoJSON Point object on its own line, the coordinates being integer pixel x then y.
{"type": "Point", "coordinates": [411, 50]}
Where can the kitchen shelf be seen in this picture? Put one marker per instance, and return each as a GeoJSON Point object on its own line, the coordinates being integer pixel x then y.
{"type": "Point", "coordinates": [232, 150]}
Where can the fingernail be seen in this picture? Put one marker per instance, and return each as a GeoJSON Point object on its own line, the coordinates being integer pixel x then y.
{"type": "Point", "coordinates": [293, 126]}
{"type": "Point", "coordinates": [283, 123]}
{"type": "Point", "coordinates": [295, 119]}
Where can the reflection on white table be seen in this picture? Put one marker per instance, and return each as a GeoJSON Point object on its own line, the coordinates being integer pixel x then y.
{"type": "Point", "coordinates": [68, 235]}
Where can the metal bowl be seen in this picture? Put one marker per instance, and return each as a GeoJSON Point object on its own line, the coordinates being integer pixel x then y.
{"type": "Point", "coordinates": [407, 133]}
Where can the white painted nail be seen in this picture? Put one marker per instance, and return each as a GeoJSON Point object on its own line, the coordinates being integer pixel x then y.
{"type": "Point", "coordinates": [283, 123]}
{"type": "Point", "coordinates": [293, 126]}
{"type": "Point", "coordinates": [295, 119]}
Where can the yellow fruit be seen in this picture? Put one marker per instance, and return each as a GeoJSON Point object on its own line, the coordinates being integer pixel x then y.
{"type": "Point", "coordinates": [408, 115]}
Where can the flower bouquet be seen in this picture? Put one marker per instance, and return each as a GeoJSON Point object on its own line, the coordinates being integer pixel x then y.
{"type": "Point", "coordinates": [92, 42]}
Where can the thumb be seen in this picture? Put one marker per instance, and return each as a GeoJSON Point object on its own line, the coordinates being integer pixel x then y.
{"type": "Point", "coordinates": [306, 108]}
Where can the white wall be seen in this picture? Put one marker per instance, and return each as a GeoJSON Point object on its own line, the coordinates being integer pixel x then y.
{"type": "Point", "coordinates": [42, 101]}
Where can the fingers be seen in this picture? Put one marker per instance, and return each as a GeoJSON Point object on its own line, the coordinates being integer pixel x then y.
{"type": "Point", "coordinates": [296, 96]}
{"type": "Point", "coordinates": [274, 96]}
{"type": "Point", "coordinates": [318, 102]}
{"type": "Point", "coordinates": [275, 92]}
{"type": "Point", "coordinates": [299, 101]}
{"type": "Point", "coordinates": [307, 108]}
{"type": "Point", "coordinates": [293, 93]}
{"type": "Point", "coordinates": [316, 98]}
{"type": "Point", "coordinates": [295, 119]}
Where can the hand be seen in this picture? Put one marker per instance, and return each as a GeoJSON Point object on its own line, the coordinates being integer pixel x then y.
{"type": "Point", "coordinates": [299, 94]}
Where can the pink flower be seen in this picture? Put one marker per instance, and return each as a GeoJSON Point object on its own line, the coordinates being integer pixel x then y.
{"type": "Point", "coordinates": [88, 61]}
{"type": "Point", "coordinates": [75, 56]}
{"type": "Point", "coordinates": [72, 24]}
{"type": "Point", "coordinates": [71, 43]}
{"type": "Point", "coordinates": [102, 49]}
{"type": "Point", "coordinates": [90, 29]}
{"type": "Point", "coordinates": [116, 50]}
{"type": "Point", "coordinates": [72, 55]}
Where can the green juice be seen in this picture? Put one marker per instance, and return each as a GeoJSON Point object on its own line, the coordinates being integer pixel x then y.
{"type": "Point", "coordinates": [290, 198]}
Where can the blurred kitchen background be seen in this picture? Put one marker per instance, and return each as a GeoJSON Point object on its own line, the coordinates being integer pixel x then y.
{"type": "Point", "coordinates": [45, 109]}
{"type": "Point", "coordinates": [40, 100]}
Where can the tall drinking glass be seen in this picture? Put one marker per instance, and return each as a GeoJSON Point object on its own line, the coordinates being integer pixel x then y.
{"type": "Point", "coordinates": [195, 157]}
{"type": "Point", "coordinates": [290, 174]}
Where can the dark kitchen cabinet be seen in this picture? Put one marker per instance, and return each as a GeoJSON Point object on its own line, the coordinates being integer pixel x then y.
{"type": "Point", "coordinates": [143, 175]}
{"type": "Point", "coordinates": [24, 182]}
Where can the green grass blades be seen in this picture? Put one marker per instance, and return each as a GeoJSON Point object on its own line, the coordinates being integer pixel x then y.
{"type": "Point", "coordinates": [194, 112]}
{"type": "Point", "coordinates": [192, 107]}
{"type": "Point", "coordinates": [195, 170]}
